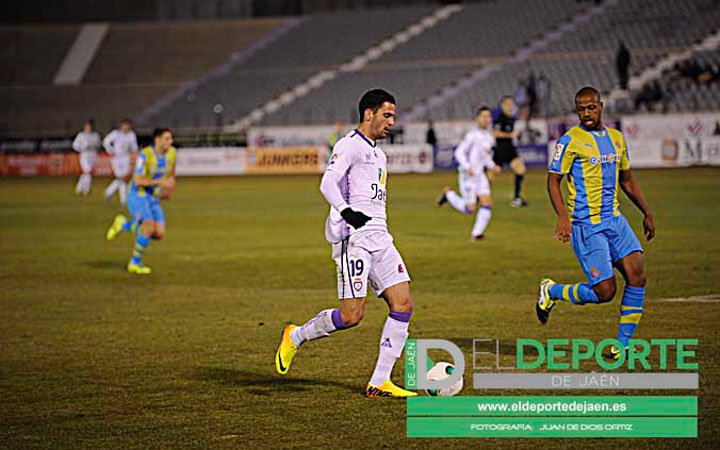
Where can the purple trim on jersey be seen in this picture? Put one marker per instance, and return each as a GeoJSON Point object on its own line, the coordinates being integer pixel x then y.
{"type": "Point", "coordinates": [486, 207]}
{"type": "Point", "coordinates": [369, 142]}
{"type": "Point", "coordinates": [337, 320]}
{"type": "Point", "coordinates": [401, 316]}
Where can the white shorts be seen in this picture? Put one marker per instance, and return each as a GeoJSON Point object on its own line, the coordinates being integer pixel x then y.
{"type": "Point", "coordinates": [87, 161]}
{"type": "Point", "coordinates": [121, 166]}
{"type": "Point", "coordinates": [471, 187]}
{"type": "Point", "coordinates": [369, 257]}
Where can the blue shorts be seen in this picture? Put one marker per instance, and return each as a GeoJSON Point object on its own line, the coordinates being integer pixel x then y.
{"type": "Point", "coordinates": [599, 247]}
{"type": "Point", "coordinates": [145, 208]}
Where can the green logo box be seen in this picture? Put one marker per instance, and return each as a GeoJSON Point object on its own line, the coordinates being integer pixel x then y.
{"type": "Point", "coordinates": [584, 406]}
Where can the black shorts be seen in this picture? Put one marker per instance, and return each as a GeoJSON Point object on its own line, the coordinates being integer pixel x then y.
{"type": "Point", "coordinates": [504, 154]}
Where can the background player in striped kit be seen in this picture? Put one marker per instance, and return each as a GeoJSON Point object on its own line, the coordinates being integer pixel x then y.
{"type": "Point", "coordinates": [120, 143]}
{"type": "Point", "coordinates": [153, 179]}
{"type": "Point", "coordinates": [87, 143]}
{"type": "Point", "coordinates": [595, 159]}
{"type": "Point", "coordinates": [355, 186]}
{"type": "Point", "coordinates": [474, 157]}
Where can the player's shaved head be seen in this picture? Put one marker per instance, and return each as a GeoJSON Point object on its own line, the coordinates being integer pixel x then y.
{"type": "Point", "coordinates": [587, 90]}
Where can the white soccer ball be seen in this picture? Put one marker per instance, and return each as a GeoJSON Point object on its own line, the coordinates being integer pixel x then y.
{"type": "Point", "coordinates": [440, 371]}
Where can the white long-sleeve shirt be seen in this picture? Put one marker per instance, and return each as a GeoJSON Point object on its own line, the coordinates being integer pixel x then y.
{"type": "Point", "coordinates": [475, 151]}
{"type": "Point", "coordinates": [120, 144]}
{"type": "Point", "coordinates": [355, 177]}
{"type": "Point", "coordinates": [86, 142]}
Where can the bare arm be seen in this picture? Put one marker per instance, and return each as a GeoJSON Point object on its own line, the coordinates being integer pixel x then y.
{"type": "Point", "coordinates": [631, 188]}
{"type": "Point", "coordinates": [563, 227]}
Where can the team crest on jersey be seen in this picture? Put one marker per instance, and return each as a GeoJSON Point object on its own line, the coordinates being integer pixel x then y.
{"type": "Point", "coordinates": [617, 144]}
{"type": "Point", "coordinates": [594, 272]}
{"type": "Point", "coordinates": [401, 269]}
{"type": "Point", "coordinates": [358, 284]}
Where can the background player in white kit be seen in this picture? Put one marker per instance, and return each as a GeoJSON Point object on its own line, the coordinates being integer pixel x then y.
{"type": "Point", "coordinates": [87, 143]}
{"type": "Point", "coordinates": [355, 185]}
{"type": "Point", "coordinates": [474, 157]}
{"type": "Point", "coordinates": [120, 143]}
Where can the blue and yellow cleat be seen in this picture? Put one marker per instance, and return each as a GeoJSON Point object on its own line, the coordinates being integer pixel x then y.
{"type": "Point", "coordinates": [286, 351]}
{"type": "Point", "coordinates": [387, 389]}
{"type": "Point", "coordinates": [138, 269]}
{"type": "Point", "coordinates": [116, 227]}
{"type": "Point", "coordinates": [545, 304]}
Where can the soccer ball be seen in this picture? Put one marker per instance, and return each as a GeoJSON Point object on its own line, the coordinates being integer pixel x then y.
{"type": "Point", "coordinates": [440, 371]}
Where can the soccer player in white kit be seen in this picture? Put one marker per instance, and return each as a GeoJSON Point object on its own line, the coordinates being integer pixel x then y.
{"type": "Point", "coordinates": [474, 157]}
{"type": "Point", "coordinates": [355, 186]}
{"type": "Point", "coordinates": [87, 143]}
{"type": "Point", "coordinates": [120, 144]}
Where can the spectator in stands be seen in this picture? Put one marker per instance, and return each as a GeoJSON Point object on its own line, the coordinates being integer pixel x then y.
{"type": "Point", "coordinates": [622, 64]}
{"type": "Point", "coordinates": [543, 95]}
{"type": "Point", "coordinates": [335, 135]}
{"type": "Point", "coordinates": [651, 94]}
{"type": "Point", "coordinates": [717, 128]}
{"type": "Point", "coordinates": [532, 96]}
{"type": "Point", "coordinates": [430, 137]}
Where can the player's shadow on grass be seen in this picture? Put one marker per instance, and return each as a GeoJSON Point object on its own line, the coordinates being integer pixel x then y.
{"type": "Point", "coordinates": [105, 264]}
{"type": "Point", "coordinates": [266, 383]}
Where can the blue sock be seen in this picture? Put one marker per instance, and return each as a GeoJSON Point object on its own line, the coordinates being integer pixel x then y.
{"type": "Point", "coordinates": [579, 293]}
{"type": "Point", "coordinates": [631, 310]}
{"type": "Point", "coordinates": [141, 244]}
{"type": "Point", "coordinates": [127, 225]}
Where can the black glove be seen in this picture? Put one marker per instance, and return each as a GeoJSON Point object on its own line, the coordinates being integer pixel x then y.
{"type": "Point", "coordinates": [354, 218]}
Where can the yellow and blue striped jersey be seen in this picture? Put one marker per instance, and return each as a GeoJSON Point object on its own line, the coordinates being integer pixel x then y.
{"type": "Point", "coordinates": [593, 161]}
{"type": "Point", "coordinates": [151, 164]}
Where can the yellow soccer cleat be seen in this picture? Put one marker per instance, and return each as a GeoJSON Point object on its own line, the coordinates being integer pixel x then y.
{"type": "Point", "coordinates": [545, 304]}
{"type": "Point", "coordinates": [286, 351]}
{"type": "Point", "coordinates": [613, 353]}
{"type": "Point", "coordinates": [116, 227]}
{"type": "Point", "coordinates": [138, 269]}
{"type": "Point", "coordinates": [387, 389]}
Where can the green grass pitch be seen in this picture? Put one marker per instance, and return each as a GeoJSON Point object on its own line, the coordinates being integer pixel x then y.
{"type": "Point", "coordinates": [91, 357]}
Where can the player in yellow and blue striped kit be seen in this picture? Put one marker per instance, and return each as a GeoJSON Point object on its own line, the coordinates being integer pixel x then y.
{"type": "Point", "coordinates": [153, 179]}
{"type": "Point", "coordinates": [595, 159]}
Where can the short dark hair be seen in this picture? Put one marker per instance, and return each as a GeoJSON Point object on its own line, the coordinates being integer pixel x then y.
{"type": "Point", "coordinates": [90, 122]}
{"type": "Point", "coordinates": [126, 120]}
{"type": "Point", "coordinates": [373, 99]}
{"type": "Point", "coordinates": [481, 109]}
{"type": "Point", "coordinates": [157, 132]}
{"type": "Point", "coordinates": [506, 97]}
{"type": "Point", "coordinates": [586, 90]}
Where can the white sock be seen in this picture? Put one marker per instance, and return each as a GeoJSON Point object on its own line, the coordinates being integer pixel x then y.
{"type": "Point", "coordinates": [318, 327]}
{"type": "Point", "coordinates": [87, 182]}
{"type": "Point", "coordinates": [79, 185]}
{"type": "Point", "coordinates": [123, 191]}
{"type": "Point", "coordinates": [456, 202]}
{"type": "Point", "coordinates": [481, 220]}
{"type": "Point", "coordinates": [112, 187]}
{"type": "Point", "coordinates": [392, 341]}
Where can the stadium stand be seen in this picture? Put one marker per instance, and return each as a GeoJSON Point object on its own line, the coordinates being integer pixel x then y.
{"type": "Point", "coordinates": [650, 28]}
{"type": "Point", "coordinates": [480, 33]}
{"type": "Point", "coordinates": [292, 59]}
{"type": "Point", "coordinates": [694, 84]}
{"type": "Point", "coordinates": [137, 64]}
